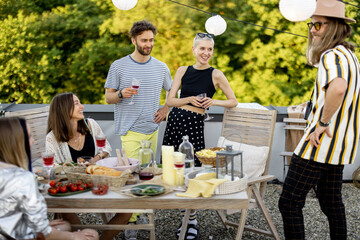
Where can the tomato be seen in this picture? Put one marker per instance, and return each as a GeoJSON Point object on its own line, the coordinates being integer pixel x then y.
{"type": "Point", "coordinates": [63, 188]}
{"type": "Point", "coordinates": [58, 184]}
{"type": "Point", "coordinates": [101, 189]}
{"type": "Point", "coordinates": [78, 182]}
{"type": "Point", "coordinates": [90, 184]}
{"type": "Point", "coordinates": [95, 191]}
{"type": "Point", "coordinates": [52, 183]}
{"type": "Point", "coordinates": [52, 190]}
{"type": "Point", "coordinates": [74, 188]}
{"type": "Point", "coordinates": [86, 185]}
{"type": "Point", "coordinates": [81, 187]}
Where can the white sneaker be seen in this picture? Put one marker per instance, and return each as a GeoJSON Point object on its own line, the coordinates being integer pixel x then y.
{"type": "Point", "coordinates": [131, 234]}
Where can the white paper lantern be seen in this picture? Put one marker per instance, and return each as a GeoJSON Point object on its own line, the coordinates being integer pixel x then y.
{"type": "Point", "coordinates": [215, 25]}
{"type": "Point", "coordinates": [124, 4]}
{"type": "Point", "coordinates": [297, 10]}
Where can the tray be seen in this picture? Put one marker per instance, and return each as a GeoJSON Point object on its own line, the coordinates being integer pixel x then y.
{"type": "Point", "coordinates": [69, 193]}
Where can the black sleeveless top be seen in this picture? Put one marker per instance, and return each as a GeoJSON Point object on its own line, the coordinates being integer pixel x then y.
{"type": "Point", "coordinates": [195, 82]}
{"type": "Point", "coordinates": [87, 150]}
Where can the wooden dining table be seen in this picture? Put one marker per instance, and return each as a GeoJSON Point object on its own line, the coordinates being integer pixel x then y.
{"type": "Point", "coordinates": [115, 202]}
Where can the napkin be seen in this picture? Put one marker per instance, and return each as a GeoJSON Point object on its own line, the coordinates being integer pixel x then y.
{"type": "Point", "coordinates": [203, 185]}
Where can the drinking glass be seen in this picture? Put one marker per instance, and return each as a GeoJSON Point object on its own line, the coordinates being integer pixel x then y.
{"type": "Point", "coordinates": [202, 96]}
{"type": "Point", "coordinates": [101, 185]}
{"type": "Point", "coordinates": [48, 161]}
{"type": "Point", "coordinates": [100, 143]}
{"type": "Point", "coordinates": [179, 163]}
{"type": "Point", "coordinates": [135, 84]}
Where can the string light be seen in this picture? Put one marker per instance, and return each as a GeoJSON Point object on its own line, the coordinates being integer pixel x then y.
{"type": "Point", "coordinates": [124, 4]}
{"type": "Point", "coordinates": [215, 25]}
{"type": "Point", "coordinates": [233, 19]}
{"type": "Point", "coordinates": [274, 29]}
{"type": "Point", "coordinates": [297, 10]}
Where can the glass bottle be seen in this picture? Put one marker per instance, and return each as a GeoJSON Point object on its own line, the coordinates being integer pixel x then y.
{"type": "Point", "coordinates": [146, 159]}
{"type": "Point", "coordinates": [187, 148]}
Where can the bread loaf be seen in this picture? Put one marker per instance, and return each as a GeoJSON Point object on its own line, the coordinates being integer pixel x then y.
{"type": "Point", "coordinates": [101, 170]}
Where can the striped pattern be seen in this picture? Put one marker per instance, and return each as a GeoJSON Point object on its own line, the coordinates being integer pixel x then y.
{"type": "Point", "coordinates": [341, 148]}
{"type": "Point", "coordinates": [154, 76]}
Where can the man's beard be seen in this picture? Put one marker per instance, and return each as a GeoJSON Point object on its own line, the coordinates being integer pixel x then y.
{"type": "Point", "coordinates": [142, 51]}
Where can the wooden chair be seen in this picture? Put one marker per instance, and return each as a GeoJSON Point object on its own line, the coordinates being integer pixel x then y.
{"type": "Point", "coordinates": [254, 127]}
{"type": "Point", "coordinates": [37, 118]}
{"type": "Point", "coordinates": [294, 130]}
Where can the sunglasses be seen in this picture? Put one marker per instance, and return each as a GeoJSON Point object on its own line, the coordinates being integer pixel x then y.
{"type": "Point", "coordinates": [317, 25]}
{"type": "Point", "coordinates": [203, 35]}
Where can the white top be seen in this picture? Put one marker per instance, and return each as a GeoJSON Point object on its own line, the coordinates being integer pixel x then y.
{"type": "Point", "coordinates": [338, 62]}
{"type": "Point", "coordinates": [61, 149]}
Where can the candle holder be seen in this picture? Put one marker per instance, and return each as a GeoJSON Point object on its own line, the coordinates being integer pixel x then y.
{"type": "Point", "coordinates": [229, 154]}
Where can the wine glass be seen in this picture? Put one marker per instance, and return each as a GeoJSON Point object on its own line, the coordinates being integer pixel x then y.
{"type": "Point", "coordinates": [202, 96]}
{"type": "Point", "coordinates": [100, 143]}
{"type": "Point", "coordinates": [135, 84]}
{"type": "Point", "coordinates": [179, 163]}
{"type": "Point", "coordinates": [48, 161]}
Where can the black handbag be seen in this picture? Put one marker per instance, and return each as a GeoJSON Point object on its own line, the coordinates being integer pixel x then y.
{"type": "Point", "coordinates": [308, 108]}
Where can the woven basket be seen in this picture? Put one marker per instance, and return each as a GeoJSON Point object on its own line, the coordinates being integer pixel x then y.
{"type": "Point", "coordinates": [76, 172]}
{"type": "Point", "coordinates": [212, 160]}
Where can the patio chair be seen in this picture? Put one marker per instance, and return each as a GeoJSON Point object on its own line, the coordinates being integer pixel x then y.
{"type": "Point", "coordinates": [253, 128]}
{"type": "Point", "coordinates": [37, 118]}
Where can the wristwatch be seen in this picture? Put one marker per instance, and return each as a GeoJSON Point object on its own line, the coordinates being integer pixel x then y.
{"type": "Point", "coordinates": [119, 94]}
{"type": "Point", "coordinates": [321, 124]}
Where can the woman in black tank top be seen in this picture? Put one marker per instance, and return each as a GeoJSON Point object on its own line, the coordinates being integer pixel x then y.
{"type": "Point", "coordinates": [194, 80]}
{"type": "Point", "coordinates": [187, 114]}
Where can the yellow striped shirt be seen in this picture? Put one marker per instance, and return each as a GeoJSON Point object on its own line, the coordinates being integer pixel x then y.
{"type": "Point", "coordinates": [341, 148]}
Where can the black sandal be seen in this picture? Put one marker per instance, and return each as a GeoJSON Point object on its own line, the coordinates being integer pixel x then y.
{"type": "Point", "coordinates": [193, 226]}
{"type": "Point", "coordinates": [194, 235]}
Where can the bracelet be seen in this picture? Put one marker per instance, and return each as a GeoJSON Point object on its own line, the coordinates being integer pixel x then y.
{"type": "Point", "coordinates": [321, 124]}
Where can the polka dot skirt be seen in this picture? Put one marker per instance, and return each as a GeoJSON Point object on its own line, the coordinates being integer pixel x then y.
{"type": "Point", "coordinates": [183, 122]}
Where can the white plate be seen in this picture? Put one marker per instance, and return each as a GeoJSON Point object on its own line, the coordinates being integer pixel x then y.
{"type": "Point", "coordinates": [112, 162]}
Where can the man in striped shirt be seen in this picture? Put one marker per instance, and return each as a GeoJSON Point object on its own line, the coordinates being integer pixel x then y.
{"type": "Point", "coordinates": [140, 120]}
{"type": "Point", "coordinates": [331, 138]}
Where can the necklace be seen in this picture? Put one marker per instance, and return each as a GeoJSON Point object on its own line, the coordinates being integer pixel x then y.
{"type": "Point", "coordinates": [75, 143]}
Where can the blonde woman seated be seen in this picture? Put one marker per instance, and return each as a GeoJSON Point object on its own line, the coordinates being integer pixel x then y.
{"type": "Point", "coordinates": [23, 212]}
{"type": "Point", "coordinates": [70, 135]}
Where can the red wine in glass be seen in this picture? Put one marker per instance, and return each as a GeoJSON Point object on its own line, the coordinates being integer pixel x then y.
{"type": "Point", "coordinates": [100, 142]}
{"type": "Point", "coordinates": [179, 165]}
{"type": "Point", "coordinates": [48, 161]}
{"type": "Point", "coordinates": [146, 175]}
{"type": "Point", "coordinates": [135, 84]}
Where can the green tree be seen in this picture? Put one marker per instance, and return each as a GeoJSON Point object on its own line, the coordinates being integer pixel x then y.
{"type": "Point", "coordinates": [47, 47]}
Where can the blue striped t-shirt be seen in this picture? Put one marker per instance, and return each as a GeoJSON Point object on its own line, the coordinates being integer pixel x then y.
{"type": "Point", "coordinates": [154, 76]}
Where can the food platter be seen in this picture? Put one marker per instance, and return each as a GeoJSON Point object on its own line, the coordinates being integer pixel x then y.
{"type": "Point", "coordinates": [147, 190]}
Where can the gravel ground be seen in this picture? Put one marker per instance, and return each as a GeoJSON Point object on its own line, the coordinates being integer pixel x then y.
{"type": "Point", "coordinates": [316, 224]}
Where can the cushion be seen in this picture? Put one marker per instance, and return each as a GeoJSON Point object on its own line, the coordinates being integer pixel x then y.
{"type": "Point", "coordinates": [254, 158]}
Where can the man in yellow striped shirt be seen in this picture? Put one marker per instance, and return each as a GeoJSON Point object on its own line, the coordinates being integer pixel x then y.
{"type": "Point", "coordinates": [331, 137]}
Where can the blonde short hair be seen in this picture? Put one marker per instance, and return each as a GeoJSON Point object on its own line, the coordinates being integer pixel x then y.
{"type": "Point", "coordinates": [206, 37]}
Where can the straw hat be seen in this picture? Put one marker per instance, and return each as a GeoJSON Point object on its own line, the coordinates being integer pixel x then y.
{"type": "Point", "coordinates": [332, 8]}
